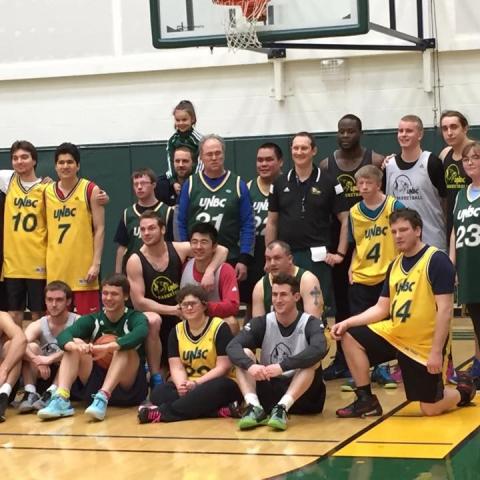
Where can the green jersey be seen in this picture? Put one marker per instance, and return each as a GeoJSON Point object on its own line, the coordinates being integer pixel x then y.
{"type": "Point", "coordinates": [219, 206]}
{"type": "Point", "coordinates": [466, 222]}
{"type": "Point", "coordinates": [131, 220]}
{"type": "Point", "coordinates": [267, 290]}
{"type": "Point", "coordinates": [131, 330]}
{"type": "Point", "coordinates": [260, 206]}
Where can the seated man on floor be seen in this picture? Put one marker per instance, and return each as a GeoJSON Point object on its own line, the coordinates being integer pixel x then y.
{"type": "Point", "coordinates": [279, 259]}
{"type": "Point", "coordinates": [418, 297]}
{"type": "Point", "coordinates": [12, 348]}
{"type": "Point", "coordinates": [289, 374]}
{"type": "Point", "coordinates": [123, 382]}
{"type": "Point", "coordinates": [43, 355]}
{"type": "Point", "coordinates": [223, 299]}
{"type": "Point", "coordinates": [202, 383]}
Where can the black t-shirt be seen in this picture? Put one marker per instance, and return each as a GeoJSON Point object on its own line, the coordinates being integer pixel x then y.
{"type": "Point", "coordinates": [441, 272]}
{"type": "Point", "coordinates": [164, 190]}
{"type": "Point", "coordinates": [222, 339]}
{"type": "Point", "coordinates": [305, 209]}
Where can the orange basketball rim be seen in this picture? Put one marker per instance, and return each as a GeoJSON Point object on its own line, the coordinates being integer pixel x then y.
{"type": "Point", "coordinates": [252, 9]}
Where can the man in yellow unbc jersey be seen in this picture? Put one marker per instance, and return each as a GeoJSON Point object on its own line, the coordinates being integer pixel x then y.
{"type": "Point", "coordinates": [76, 226]}
{"type": "Point", "coordinates": [417, 301]}
{"type": "Point", "coordinates": [25, 232]}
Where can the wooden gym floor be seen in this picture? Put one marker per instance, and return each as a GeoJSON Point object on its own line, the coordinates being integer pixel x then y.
{"type": "Point", "coordinates": [119, 447]}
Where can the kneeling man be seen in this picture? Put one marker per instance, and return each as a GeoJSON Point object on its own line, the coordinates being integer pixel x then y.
{"type": "Point", "coordinates": [289, 375]}
{"type": "Point", "coordinates": [124, 382]}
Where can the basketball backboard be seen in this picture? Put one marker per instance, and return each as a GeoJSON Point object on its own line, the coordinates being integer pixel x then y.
{"type": "Point", "coordinates": [188, 23]}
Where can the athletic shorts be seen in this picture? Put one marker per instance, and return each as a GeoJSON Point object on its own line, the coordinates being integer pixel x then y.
{"type": "Point", "coordinates": [420, 385]}
{"type": "Point", "coordinates": [3, 297]}
{"type": "Point", "coordinates": [86, 301]}
{"type": "Point", "coordinates": [312, 401]}
{"type": "Point", "coordinates": [362, 297]}
{"type": "Point", "coordinates": [168, 322]}
{"type": "Point", "coordinates": [25, 292]}
{"type": "Point", "coordinates": [42, 384]}
{"type": "Point", "coordinates": [120, 397]}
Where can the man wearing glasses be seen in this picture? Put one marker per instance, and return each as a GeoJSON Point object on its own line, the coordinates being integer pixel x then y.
{"type": "Point", "coordinates": [220, 197]}
{"type": "Point", "coordinates": [127, 235]}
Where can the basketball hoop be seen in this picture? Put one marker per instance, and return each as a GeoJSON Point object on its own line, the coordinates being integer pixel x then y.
{"type": "Point", "coordinates": [241, 31]}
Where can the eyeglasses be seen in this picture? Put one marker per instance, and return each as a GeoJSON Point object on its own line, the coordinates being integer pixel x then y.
{"type": "Point", "coordinates": [141, 184]}
{"type": "Point", "coordinates": [186, 305]}
{"type": "Point", "coordinates": [473, 158]}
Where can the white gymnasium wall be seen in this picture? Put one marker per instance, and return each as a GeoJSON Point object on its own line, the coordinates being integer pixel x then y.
{"type": "Point", "coordinates": [85, 71]}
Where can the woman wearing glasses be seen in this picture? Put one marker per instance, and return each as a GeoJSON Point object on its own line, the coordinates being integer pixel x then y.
{"type": "Point", "coordinates": [201, 383]}
{"type": "Point", "coordinates": [465, 243]}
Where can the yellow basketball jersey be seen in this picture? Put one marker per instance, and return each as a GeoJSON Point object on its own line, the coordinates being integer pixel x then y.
{"type": "Point", "coordinates": [25, 231]}
{"type": "Point", "coordinates": [411, 325]}
{"type": "Point", "coordinates": [374, 245]}
{"type": "Point", "coordinates": [198, 356]}
{"type": "Point", "coordinates": [70, 237]}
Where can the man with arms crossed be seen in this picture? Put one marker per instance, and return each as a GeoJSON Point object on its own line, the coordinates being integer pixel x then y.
{"type": "Point", "coordinates": [43, 355]}
{"type": "Point", "coordinates": [418, 297]}
{"type": "Point", "coordinates": [289, 374]}
{"type": "Point", "coordinates": [124, 382]}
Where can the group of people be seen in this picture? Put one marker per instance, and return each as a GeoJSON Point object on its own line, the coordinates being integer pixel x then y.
{"type": "Point", "coordinates": [361, 237]}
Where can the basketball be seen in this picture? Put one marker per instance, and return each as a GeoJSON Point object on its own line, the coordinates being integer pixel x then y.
{"type": "Point", "coordinates": [104, 361]}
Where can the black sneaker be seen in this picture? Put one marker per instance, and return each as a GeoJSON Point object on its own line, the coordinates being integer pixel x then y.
{"type": "Point", "coordinates": [466, 387]}
{"type": "Point", "coordinates": [363, 406]}
{"type": "Point", "coordinates": [3, 406]}
{"type": "Point", "coordinates": [149, 414]}
{"type": "Point", "coordinates": [336, 370]}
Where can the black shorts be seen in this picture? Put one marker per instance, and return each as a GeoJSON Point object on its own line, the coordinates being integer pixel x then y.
{"type": "Point", "coordinates": [3, 297]}
{"type": "Point", "coordinates": [42, 384]}
{"type": "Point", "coordinates": [168, 322]}
{"type": "Point", "coordinates": [120, 397]}
{"type": "Point", "coordinates": [312, 401]}
{"type": "Point", "coordinates": [23, 292]}
{"type": "Point", "coordinates": [419, 384]}
{"type": "Point", "coordinates": [361, 297]}
{"type": "Point", "coordinates": [256, 270]}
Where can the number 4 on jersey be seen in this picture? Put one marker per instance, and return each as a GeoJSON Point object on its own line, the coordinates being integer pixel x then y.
{"type": "Point", "coordinates": [403, 312]}
{"type": "Point", "coordinates": [374, 253]}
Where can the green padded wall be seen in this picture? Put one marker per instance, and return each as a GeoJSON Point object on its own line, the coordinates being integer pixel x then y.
{"type": "Point", "coordinates": [110, 166]}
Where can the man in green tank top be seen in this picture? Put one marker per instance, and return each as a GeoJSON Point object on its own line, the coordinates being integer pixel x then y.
{"type": "Point", "coordinates": [279, 259]}
{"type": "Point", "coordinates": [218, 196]}
{"type": "Point", "coordinates": [127, 236]}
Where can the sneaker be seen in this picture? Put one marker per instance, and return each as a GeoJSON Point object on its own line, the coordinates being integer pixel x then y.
{"type": "Point", "coordinates": [363, 406]}
{"type": "Point", "coordinates": [336, 370]}
{"type": "Point", "coordinates": [475, 370]}
{"type": "Point", "coordinates": [98, 408]}
{"type": "Point", "coordinates": [149, 414]}
{"type": "Point", "coordinates": [348, 385]}
{"type": "Point", "coordinates": [253, 417]}
{"type": "Point", "coordinates": [452, 377]}
{"type": "Point", "coordinates": [58, 407]}
{"type": "Point", "coordinates": [3, 406]}
{"type": "Point", "coordinates": [26, 404]}
{"type": "Point", "coordinates": [381, 375]}
{"type": "Point", "coordinates": [233, 410]}
{"type": "Point", "coordinates": [44, 400]}
{"type": "Point", "coordinates": [278, 417]}
{"type": "Point", "coordinates": [155, 380]}
{"type": "Point", "coordinates": [467, 389]}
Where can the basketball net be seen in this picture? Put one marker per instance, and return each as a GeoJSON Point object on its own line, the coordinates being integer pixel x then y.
{"type": "Point", "coordinates": [241, 30]}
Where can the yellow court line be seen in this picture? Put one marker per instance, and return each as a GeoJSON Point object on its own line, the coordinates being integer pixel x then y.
{"type": "Point", "coordinates": [407, 434]}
